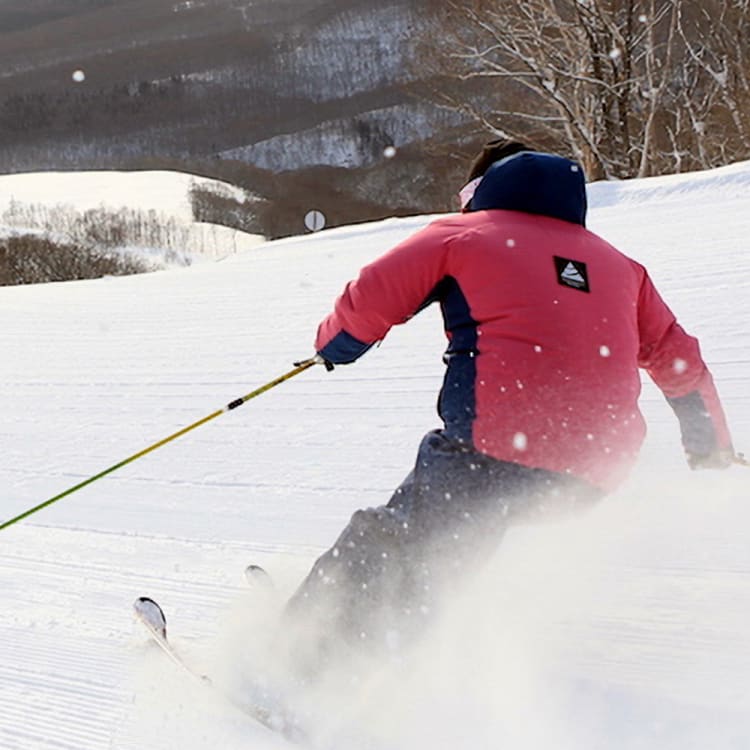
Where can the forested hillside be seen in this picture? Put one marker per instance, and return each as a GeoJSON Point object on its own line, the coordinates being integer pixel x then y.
{"type": "Point", "coordinates": [222, 87]}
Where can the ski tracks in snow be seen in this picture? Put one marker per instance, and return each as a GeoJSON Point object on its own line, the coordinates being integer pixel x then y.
{"type": "Point", "coordinates": [632, 642]}
{"type": "Point", "coordinates": [72, 661]}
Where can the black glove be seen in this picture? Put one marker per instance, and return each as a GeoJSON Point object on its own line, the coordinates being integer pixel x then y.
{"type": "Point", "coordinates": [319, 359]}
{"type": "Point", "coordinates": [718, 459]}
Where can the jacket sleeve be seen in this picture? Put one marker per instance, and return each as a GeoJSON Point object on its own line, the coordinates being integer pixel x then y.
{"type": "Point", "coordinates": [673, 360]}
{"type": "Point", "coordinates": [387, 292]}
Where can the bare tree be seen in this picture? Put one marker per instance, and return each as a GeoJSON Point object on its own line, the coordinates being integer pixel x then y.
{"type": "Point", "coordinates": [30, 259]}
{"type": "Point", "coordinates": [716, 73]}
{"type": "Point", "coordinates": [628, 87]}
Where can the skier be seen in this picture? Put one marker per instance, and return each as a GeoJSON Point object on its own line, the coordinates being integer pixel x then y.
{"type": "Point", "coordinates": [547, 327]}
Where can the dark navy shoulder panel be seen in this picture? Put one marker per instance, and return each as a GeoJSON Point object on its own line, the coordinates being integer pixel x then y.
{"type": "Point", "coordinates": [457, 401]}
{"type": "Point", "coordinates": [534, 183]}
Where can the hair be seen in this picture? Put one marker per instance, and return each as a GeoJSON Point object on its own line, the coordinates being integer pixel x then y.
{"type": "Point", "coordinates": [493, 151]}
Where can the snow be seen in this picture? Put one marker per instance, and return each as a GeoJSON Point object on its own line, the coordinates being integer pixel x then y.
{"type": "Point", "coordinates": [30, 203]}
{"type": "Point", "coordinates": [343, 141]}
{"type": "Point", "coordinates": [626, 629]}
{"type": "Point", "coordinates": [113, 189]}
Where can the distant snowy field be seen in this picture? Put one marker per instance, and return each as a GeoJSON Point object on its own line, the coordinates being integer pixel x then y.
{"type": "Point", "coordinates": [627, 629]}
{"type": "Point", "coordinates": [166, 194]}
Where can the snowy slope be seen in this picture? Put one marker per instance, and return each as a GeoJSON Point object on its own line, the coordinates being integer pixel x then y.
{"type": "Point", "coordinates": [30, 202]}
{"type": "Point", "coordinates": [627, 629]}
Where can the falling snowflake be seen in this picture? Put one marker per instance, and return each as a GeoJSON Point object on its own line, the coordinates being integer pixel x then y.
{"type": "Point", "coordinates": [520, 441]}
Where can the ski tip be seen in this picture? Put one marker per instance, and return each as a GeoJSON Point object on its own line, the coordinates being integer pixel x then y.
{"type": "Point", "coordinates": [255, 575]}
{"type": "Point", "coordinates": [151, 614]}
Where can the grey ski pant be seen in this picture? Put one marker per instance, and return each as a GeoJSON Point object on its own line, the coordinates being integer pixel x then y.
{"type": "Point", "coordinates": [383, 578]}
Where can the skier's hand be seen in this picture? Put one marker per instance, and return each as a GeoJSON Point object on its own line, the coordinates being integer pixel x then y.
{"type": "Point", "coordinates": [718, 459]}
{"type": "Point", "coordinates": [323, 361]}
{"type": "Point", "coordinates": [318, 360]}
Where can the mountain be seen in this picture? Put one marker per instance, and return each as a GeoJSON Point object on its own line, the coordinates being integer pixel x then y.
{"type": "Point", "coordinates": [294, 99]}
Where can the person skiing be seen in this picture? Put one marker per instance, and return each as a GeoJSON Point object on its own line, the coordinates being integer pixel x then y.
{"type": "Point", "coordinates": [547, 327]}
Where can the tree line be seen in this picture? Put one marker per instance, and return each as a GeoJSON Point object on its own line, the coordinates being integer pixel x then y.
{"type": "Point", "coordinates": [630, 88]}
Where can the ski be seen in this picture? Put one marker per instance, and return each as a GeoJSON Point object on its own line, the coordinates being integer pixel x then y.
{"type": "Point", "coordinates": [151, 615]}
{"type": "Point", "coordinates": [259, 578]}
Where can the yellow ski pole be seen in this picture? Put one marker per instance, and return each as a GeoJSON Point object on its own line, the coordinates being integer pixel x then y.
{"type": "Point", "coordinates": [298, 368]}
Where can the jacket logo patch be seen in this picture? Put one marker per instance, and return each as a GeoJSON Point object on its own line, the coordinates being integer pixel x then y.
{"type": "Point", "coordinates": [572, 273]}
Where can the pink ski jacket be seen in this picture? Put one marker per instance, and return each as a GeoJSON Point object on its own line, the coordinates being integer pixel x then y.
{"type": "Point", "coordinates": [547, 327]}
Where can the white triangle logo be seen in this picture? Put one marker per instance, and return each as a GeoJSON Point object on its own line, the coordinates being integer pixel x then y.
{"type": "Point", "coordinates": [571, 273]}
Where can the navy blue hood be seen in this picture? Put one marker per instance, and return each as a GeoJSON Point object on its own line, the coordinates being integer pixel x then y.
{"type": "Point", "coordinates": [535, 183]}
